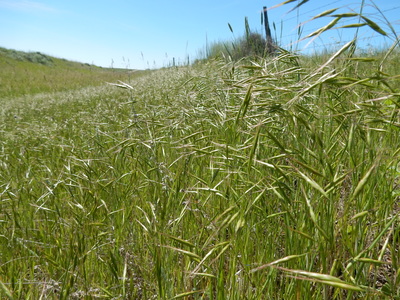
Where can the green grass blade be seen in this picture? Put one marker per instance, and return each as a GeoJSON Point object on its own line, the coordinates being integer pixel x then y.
{"type": "Point", "coordinates": [6, 291]}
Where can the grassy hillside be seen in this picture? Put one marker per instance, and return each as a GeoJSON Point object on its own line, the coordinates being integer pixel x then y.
{"type": "Point", "coordinates": [264, 178]}
{"type": "Point", "coordinates": [24, 73]}
{"type": "Point", "coordinates": [277, 179]}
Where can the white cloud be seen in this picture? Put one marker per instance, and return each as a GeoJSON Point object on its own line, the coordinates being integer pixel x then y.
{"type": "Point", "coordinates": [26, 5]}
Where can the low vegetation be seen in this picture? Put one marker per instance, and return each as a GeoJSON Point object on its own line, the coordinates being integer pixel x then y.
{"type": "Point", "coordinates": [24, 73]}
{"type": "Point", "coordinates": [269, 178]}
{"type": "Point", "coordinates": [250, 45]}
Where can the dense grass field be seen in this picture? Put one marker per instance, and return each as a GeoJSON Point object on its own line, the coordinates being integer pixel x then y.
{"type": "Point", "coordinates": [264, 178]}
{"type": "Point", "coordinates": [23, 73]}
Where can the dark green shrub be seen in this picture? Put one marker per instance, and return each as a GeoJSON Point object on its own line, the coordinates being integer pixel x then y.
{"type": "Point", "coordinates": [253, 44]}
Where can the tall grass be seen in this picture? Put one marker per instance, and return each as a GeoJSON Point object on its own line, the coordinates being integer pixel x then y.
{"type": "Point", "coordinates": [275, 179]}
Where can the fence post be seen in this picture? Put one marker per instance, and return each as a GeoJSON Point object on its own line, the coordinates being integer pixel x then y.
{"type": "Point", "coordinates": [266, 24]}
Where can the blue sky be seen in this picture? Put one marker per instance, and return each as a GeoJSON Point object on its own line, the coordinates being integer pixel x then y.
{"type": "Point", "coordinates": [142, 34]}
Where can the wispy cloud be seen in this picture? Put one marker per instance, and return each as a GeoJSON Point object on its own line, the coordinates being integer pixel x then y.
{"type": "Point", "coordinates": [27, 6]}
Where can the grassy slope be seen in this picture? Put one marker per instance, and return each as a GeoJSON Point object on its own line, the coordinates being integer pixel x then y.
{"type": "Point", "coordinates": [199, 177]}
{"type": "Point", "coordinates": [24, 73]}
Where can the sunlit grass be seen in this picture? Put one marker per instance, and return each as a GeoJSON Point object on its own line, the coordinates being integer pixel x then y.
{"type": "Point", "coordinates": [32, 73]}
{"type": "Point", "coordinates": [271, 179]}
